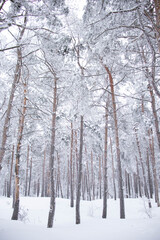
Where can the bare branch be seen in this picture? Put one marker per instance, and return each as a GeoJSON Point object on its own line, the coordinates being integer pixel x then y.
{"type": "Point", "coordinates": [3, 2]}
{"type": "Point", "coordinates": [115, 12]}
{"type": "Point", "coordinates": [9, 48]}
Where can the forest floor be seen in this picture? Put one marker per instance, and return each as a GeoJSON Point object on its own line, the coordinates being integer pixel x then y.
{"type": "Point", "coordinates": [141, 223]}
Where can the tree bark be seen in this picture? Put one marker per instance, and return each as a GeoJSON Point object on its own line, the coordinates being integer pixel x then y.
{"type": "Point", "coordinates": [43, 175]}
{"type": "Point", "coordinates": [149, 176]}
{"type": "Point", "coordinates": [92, 177]}
{"type": "Point", "coordinates": [105, 179]}
{"type": "Point", "coordinates": [142, 165]}
{"type": "Point", "coordinates": [58, 184]}
{"type": "Point", "coordinates": [88, 183]}
{"type": "Point", "coordinates": [68, 178]}
{"type": "Point", "coordinates": [18, 152]}
{"type": "Point", "coordinates": [10, 179]}
{"type": "Point", "coordinates": [138, 178]}
{"type": "Point", "coordinates": [135, 185]}
{"type": "Point", "coordinates": [52, 157]}
{"type": "Point", "coordinates": [78, 195]}
{"type": "Point", "coordinates": [71, 170]}
{"type": "Point", "coordinates": [151, 143]}
{"type": "Point", "coordinates": [16, 79]}
{"type": "Point", "coordinates": [120, 180]}
{"type": "Point", "coordinates": [156, 122]}
{"type": "Point", "coordinates": [113, 171]}
{"type": "Point", "coordinates": [157, 10]}
{"type": "Point", "coordinates": [30, 177]}
{"type": "Point", "coordinates": [100, 178]}
{"type": "Point", "coordinates": [26, 182]}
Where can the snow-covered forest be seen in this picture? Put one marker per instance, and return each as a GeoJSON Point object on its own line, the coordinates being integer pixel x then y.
{"type": "Point", "coordinates": [79, 108]}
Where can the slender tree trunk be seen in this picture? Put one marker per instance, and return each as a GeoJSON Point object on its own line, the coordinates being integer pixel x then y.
{"type": "Point", "coordinates": [43, 175]}
{"type": "Point", "coordinates": [11, 170]}
{"type": "Point", "coordinates": [5, 188]}
{"type": "Point", "coordinates": [26, 182]}
{"type": "Point", "coordinates": [47, 185]}
{"type": "Point", "coordinates": [83, 184]}
{"type": "Point", "coordinates": [105, 179]}
{"type": "Point", "coordinates": [135, 185]}
{"type": "Point", "coordinates": [100, 177]}
{"type": "Point", "coordinates": [156, 122]}
{"type": "Point", "coordinates": [71, 170]}
{"type": "Point", "coordinates": [68, 178]}
{"type": "Point", "coordinates": [17, 76]}
{"type": "Point", "coordinates": [59, 185]}
{"type": "Point", "coordinates": [149, 176]}
{"type": "Point", "coordinates": [151, 143]}
{"type": "Point", "coordinates": [16, 79]}
{"type": "Point", "coordinates": [30, 177]}
{"type": "Point", "coordinates": [129, 184]}
{"type": "Point", "coordinates": [34, 187]}
{"type": "Point", "coordinates": [139, 179]}
{"type": "Point", "coordinates": [76, 159]}
{"type": "Point", "coordinates": [88, 183]}
{"type": "Point", "coordinates": [38, 187]}
{"type": "Point", "coordinates": [18, 152]}
{"type": "Point", "coordinates": [120, 180]}
{"type": "Point", "coordinates": [74, 168]}
{"type": "Point", "coordinates": [143, 169]}
{"type": "Point", "coordinates": [79, 180]}
{"type": "Point", "coordinates": [113, 171]}
{"type": "Point", "coordinates": [126, 185]}
{"type": "Point", "coordinates": [59, 177]}
{"type": "Point", "coordinates": [157, 10]}
{"type": "Point", "coordinates": [92, 177]}
{"type": "Point", "coordinates": [52, 158]}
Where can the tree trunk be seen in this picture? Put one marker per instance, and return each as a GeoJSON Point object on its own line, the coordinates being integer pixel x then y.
{"type": "Point", "coordinates": [149, 176]}
{"type": "Point", "coordinates": [120, 180]}
{"type": "Point", "coordinates": [113, 172]}
{"type": "Point", "coordinates": [135, 185]}
{"type": "Point", "coordinates": [105, 180]}
{"type": "Point", "coordinates": [10, 104]}
{"type": "Point", "coordinates": [138, 178]}
{"type": "Point", "coordinates": [30, 177]}
{"type": "Point", "coordinates": [92, 177]}
{"type": "Point", "coordinates": [88, 183]}
{"type": "Point", "coordinates": [78, 195]}
{"type": "Point", "coordinates": [126, 185]}
{"type": "Point", "coordinates": [58, 184]}
{"type": "Point", "coordinates": [157, 10]}
{"type": "Point", "coordinates": [52, 157]}
{"type": "Point", "coordinates": [100, 178]}
{"type": "Point", "coordinates": [38, 187]}
{"type": "Point", "coordinates": [43, 175]}
{"type": "Point", "coordinates": [17, 76]}
{"type": "Point", "coordinates": [10, 179]}
{"type": "Point", "coordinates": [151, 143]}
{"type": "Point", "coordinates": [143, 169]}
{"type": "Point", "coordinates": [71, 170]}
{"type": "Point", "coordinates": [156, 122]}
{"type": "Point", "coordinates": [76, 158]}
{"type": "Point", "coordinates": [18, 152]}
{"type": "Point", "coordinates": [26, 182]}
{"type": "Point", "coordinates": [68, 178]}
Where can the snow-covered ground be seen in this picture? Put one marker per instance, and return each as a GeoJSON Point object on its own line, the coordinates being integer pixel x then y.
{"type": "Point", "coordinates": [141, 223]}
